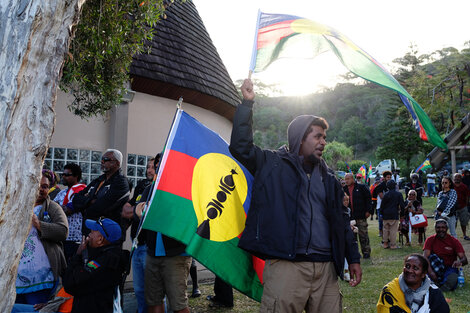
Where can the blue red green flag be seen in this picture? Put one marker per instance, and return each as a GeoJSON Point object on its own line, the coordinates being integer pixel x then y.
{"type": "Point", "coordinates": [201, 197]}
{"type": "Point", "coordinates": [424, 166]}
{"type": "Point", "coordinates": [286, 36]}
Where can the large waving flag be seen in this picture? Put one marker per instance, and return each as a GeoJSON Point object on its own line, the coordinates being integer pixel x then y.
{"type": "Point", "coordinates": [424, 166]}
{"type": "Point", "coordinates": [287, 36]}
{"type": "Point", "coordinates": [200, 198]}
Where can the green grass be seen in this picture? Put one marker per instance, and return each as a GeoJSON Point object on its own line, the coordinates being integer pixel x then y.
{"type": "Point", "coordinates": [384, 265]}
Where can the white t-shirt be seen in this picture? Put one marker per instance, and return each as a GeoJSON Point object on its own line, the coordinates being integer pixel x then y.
{"type": "Point", "coordinates": [431, 178]}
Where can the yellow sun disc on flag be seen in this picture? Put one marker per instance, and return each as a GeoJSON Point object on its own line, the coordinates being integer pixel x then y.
{"type": "Point", "coordinates": [218, 191]}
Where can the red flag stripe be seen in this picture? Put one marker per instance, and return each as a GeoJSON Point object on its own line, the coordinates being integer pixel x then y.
{"type": "Point", "coordinates": [177, 176]}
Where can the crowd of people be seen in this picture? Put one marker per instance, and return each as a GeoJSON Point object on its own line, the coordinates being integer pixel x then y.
{"type": "Point", "coordinates": [303, 222]}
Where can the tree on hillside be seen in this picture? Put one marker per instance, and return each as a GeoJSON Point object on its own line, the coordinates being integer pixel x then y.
{"type": "Point", "coordinates": [35, 39]}
{"type": "Point", "coordinates": [336, 151]}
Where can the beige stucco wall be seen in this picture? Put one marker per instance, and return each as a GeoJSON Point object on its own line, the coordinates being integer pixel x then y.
{"type": "Point", "coordinates": [150, 119]}
{"type": "Point", "coordinates": [140, 127]}
{"type": "Point", "coordinates": [72, 132]}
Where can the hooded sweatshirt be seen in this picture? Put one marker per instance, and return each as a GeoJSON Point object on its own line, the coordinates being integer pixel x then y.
{"type": "Point", "coordinates": [313, 229]}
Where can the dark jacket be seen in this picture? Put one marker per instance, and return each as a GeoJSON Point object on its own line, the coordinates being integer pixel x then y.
{"type": "Point", "coordinates": [418, 187]}
{"type": "Point", "coordinates": [271, 229]}
{"type": "Point", "coordinates": [107, 201]}
{"type": "Point", "coordinates": [392, 203]}
{"type": "Point", "coordinates": [93, 282]}
{"type": "Point", "coordinates": [362, 202]}
{"type": "Point", "coordinates": [137, 198]}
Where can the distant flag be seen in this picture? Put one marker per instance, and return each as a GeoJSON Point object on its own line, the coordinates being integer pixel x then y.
{"type": "Point", "coordinates": [349, 169]}
{"type": "Point", "coordinates": [362, 170]}
{"type": "Point", "coordinates": [369, 173]}
{"type": "Point", "coordinates": [424, 166]}
{"type": "Point", "coordinates": [201, 198]}
{"type": "Point", "coordinates": [287, 36]}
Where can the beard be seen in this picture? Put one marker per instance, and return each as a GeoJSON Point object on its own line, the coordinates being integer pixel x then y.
{"type": "Point", "coordinates": [313, 159]}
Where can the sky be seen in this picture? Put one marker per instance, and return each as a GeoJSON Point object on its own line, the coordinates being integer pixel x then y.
{"type": "Point", "coordinates": [384, 29]}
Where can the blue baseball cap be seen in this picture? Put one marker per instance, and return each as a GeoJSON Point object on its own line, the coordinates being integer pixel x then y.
{"type": "Point", "coordinates": [107, 227]}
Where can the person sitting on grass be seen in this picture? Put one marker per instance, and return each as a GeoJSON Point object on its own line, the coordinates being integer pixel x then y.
{"type": "Point", "coordinates": [412, 291]}
{"type": "Point", "coordinates": [446, 255]}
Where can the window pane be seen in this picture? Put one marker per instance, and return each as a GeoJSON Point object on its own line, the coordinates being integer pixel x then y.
{"type": "Point", "coordinates": [141, 171]}
{"type": "Point", "coordinates": [58, 166]}
{"type": "Point", "coordinates": [72, 154]}
{"type": "Point", "coordinates": [95, 168]}
{"type": "Point", "coordinates": [59, 153]}
{"type": "Point", "coordinates": [47, 164]}
{"type": "Point", "coordinates": [96, 156]}
{"type": "Point", "coordinates": [130, 170]}
{"type": "Point", "coordinates": [86, 179]}
{"type": "Point", "coordinates": [49, 153]}
{"type": "Point", "coordinates": [131, 158]}
{"type": "Point", "coordinates": [85, 155]}
{"type": "Point", "coordinates": [85, 166]}
{"type": "Point", "coordinates": [141, 160]}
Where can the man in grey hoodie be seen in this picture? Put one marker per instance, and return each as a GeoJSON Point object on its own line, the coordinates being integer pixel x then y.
{"type": "Point", "coordinates": [296, 220]}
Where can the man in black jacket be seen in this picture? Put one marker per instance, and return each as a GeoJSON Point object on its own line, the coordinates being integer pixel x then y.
{"type": "Point", "coordinates": [361, 209]}
{"type": "Point", "coordinates": [105, 195]}
{"type": "Point", "coordinates": [296, 221]}
{"type": "Point", "coordinates": [392, 204]}
{"type": "Point", "coordinates": [97, 269]}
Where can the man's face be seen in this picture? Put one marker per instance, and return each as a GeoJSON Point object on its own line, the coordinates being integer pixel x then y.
{"type": "Point", "coordinates": [457, 180]}
{"type": "Point", "coordinates": [349, 179]}
{"type": "Point", "coordinates": [387, 177]}
{"type": "Point", "coordinates": [43, 189]}
{"type": "Point", "coordinates": [68, 179]}
{"type": "Point", "coordinates": [109, 163]}
{"type": "Point", "coordinates": [150, 170]}
{"type": "Point", "coordinates": [441, 230]}
{"type": "Point", "coordinates": [95, 239]}
{"type": "Point", "coordinates": [314, 143]}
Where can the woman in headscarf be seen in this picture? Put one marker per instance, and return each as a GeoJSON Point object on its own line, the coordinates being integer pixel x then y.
{"type": "Point", "coordinates": [412, 291]}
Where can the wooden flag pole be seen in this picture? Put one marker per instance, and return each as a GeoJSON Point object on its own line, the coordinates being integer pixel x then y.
{"type": "Point", "coordinates": [249, 74]}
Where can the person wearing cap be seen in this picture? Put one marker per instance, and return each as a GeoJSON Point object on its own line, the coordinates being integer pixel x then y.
{"type": "Point", "coordinates": [105, 195]}
{"type": "Point", "coordinates": [359, 179]}
{"type": "Point", "coordinates": [446, 255]}
{"type": "Point", "coordinates": [97, 269]}
{"type": "Point", "coordinates": [296, 221]}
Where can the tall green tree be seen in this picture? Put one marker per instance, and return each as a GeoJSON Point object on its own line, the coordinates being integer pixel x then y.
{"type": "Point", "coordinates": [336, 151]}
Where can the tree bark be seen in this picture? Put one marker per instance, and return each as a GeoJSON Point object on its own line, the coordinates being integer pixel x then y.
{"type": "Point", "coordinates": [34, 39]}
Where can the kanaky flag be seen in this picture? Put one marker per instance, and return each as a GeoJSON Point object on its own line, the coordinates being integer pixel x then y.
{"type": "Point", "coordinates": [362, 171]}
{"type": "Point", "coordinates": [201, 197]}
{"type": "Point", "coordinates": [280, 36]}
{"type": "Point", "coordinates": [424, 166]}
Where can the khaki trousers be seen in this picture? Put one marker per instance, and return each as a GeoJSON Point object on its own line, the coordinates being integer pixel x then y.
{"type": "Point", "coordinates": [390, 231]}
{"type": "Point", "coordinates": [291, 287]}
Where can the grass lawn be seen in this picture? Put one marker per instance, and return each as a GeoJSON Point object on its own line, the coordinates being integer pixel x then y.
{"type": "Point", "coordinates": [384, 265]}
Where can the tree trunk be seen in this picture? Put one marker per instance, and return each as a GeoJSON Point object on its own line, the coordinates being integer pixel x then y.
{"type": "Point", "coordinates": [34, 38]}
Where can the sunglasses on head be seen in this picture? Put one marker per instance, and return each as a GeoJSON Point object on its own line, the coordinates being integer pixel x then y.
{"type": "Point", "coordinates": [106, 159]}
{"type": "Point", "coordinates": [100, 222]}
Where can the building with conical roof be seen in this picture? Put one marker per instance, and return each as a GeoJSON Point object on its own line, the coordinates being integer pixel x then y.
{"type": "Point", "coordinates": [182, 62]}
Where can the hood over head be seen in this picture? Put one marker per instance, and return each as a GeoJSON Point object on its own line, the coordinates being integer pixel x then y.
{"type": "Point", "coordinates": [296, 131]}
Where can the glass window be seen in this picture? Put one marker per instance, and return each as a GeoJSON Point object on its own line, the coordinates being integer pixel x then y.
{"type": "Point", "coordinates": [72, 154]}
{"type": "Point", "coordinates": [131, 159]}
{"type": "Point", "coordinates": [141, 160]}
{"type": "Point", "coordinates": [49, 153]}
{"type": "Point", "coordinates": [96, 156]}
{"type": "Point", "coordinates": [85, 166]}
{"type": "Point", "coordinates": [47, 164]}
{"type": "Point", "coordinates": [59, 153]}
{"type": "Point", "coordinates": [95, 168]}
{"type": "Point", "coordinates": [141, 171]}
{"type": "Point", "coordinates": [58, 166]}
{"type": "Point", "coordinates": [131, 171]}
{"type": "Point", "coordinates": [85, 155]}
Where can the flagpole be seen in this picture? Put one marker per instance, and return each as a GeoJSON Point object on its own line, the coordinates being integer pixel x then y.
{"type": "Point", "coordinates": [155, 178]}
{"type": "Point", "coordinates": [255, 46]}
